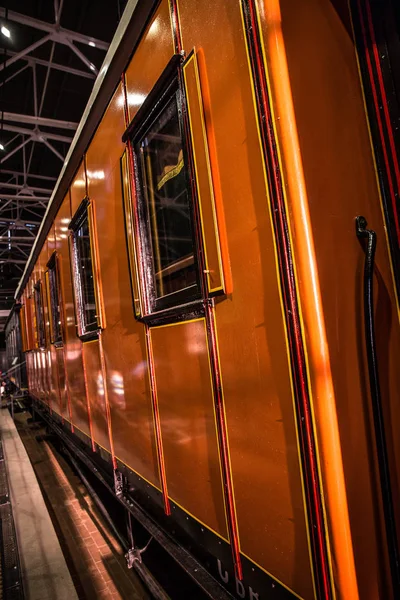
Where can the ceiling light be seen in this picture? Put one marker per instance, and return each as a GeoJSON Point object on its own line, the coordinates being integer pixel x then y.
{"type": "Point", "coordinates": [91, 66]}
{"type": "Point", "coordinates": [1, 147]}
{"type": "Point", "coordinates": [5, 31]}
{"type": "Point", "coordinates": [92, 44]}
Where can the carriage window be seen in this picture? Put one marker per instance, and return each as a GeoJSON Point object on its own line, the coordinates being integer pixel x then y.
{"type": "Point", "coordinates": [83, 272]}
{"type": "Point", "coordinates": [22, 325]}
{"type": "Point", "coordinates": [165, 206]}
{"type": "Point", "coordinates": [54, 299]}
{"type": "Point", "coordinates": [29, 321]}
{"type": "Point", "coordinates": [40, 332]}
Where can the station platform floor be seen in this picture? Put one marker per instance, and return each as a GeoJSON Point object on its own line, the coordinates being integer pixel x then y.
{"type": "Point", "coordinates": [65, 549]}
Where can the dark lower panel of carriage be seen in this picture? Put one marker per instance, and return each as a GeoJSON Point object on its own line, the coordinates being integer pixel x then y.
{"type": "Point", "coordinates": [203, 555]}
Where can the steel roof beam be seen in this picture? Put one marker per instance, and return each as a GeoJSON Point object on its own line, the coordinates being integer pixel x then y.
{"type": "Point", "coordinates": [15, 186]}
{"type": "Point", "coordinates": [15, 74]}
{"type": "Point", "coordinates": [126, 37]}
{"type": "Point", "coordinates": [22, 198]}
{"type": "Point", "coordinates": [53, 28]}
{"type": "Point", "coordinates": [32, 60]}
{"type": "Point", "coordinates": [5, 238]}
{"type": "Point", "coordinates": [36, 120]}
{"type": "Point", "coordinates": [36, 134]}
{"type": "Point", "coordinates": [54, 151]}
{"type": "Point", "coordinates": [14, 150]}
{"type": "Point", "coordinates": [12, 260]}
{"type": "Point", "coordinates": [57, 11]}
{"type": "Point", "coordinates": [22, 53]}
{"type": "Point", "coordinates": [34, 175]}
{"type": "Point", "coordinates": [79, 54]}
{"type": "Point", "coordinates": [19, 221]}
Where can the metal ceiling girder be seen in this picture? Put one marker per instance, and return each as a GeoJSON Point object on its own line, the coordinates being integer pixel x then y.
{"type": "Point", "coordinates": [6, 239]}
{"type": "Point", "coordinates": [53, 28]}
{"type": "Point", "coordinates": [57, 10]}
{"type": "Point", "coordinates": [36, 120]}
{"type": "Point", "coordinates": [54, 150]}
{"type": "Point", "coordinates": [36, 134]}
{"type": "Point", "coordinates": [23, 198]}
{"type": "Point", "coordinates": [17, 174]}
{"type": "Point", "coordinates": [27, 50]}
{"type": "Point", "coordinates": [80, 55]}
{"type": "Point", "coordinates": [127, 35]}
{"type": "Point", "coordinates": [21, 70]}
{"type": "Point", "coordinates": [32, 60]}
{"type": "Point", "coordinates": [19, 222]}
{"type": "Point", "coordinates": [16, 186]}
{"type": "Point", "coordinates": [14, 150]}
{"type": "Point", "coordinates": [57, 36]}
{"type": "Point", "coordinates": [12, 260]}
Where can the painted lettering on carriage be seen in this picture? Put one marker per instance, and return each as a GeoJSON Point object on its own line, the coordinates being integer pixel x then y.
{"type": "Point", "coordinates": [241, 590]}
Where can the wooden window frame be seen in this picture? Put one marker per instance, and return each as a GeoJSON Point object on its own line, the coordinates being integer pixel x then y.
{"type": "Point", "coordinates": [56, 328]}
{"type": "Point", "coordinates": [23, 328]}
{"type": "Point", "coordinates": [86, 210]}
{"type": "Point", "coordinates": [30, 337]}
{"type": "Point", "coordinates": [40, 324]}
{"type": "Point", "coordinates": [184, 303]}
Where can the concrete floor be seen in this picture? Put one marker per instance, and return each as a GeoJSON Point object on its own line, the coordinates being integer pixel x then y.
{"type": "Point", "coordinates": [44, 571]}
{"type": "Point", "coordinates": [94, 559]}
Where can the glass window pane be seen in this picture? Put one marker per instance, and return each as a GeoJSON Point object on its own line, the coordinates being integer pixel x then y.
{"type": "Point", "coordinates": [167, 202]}
{"type": "Point", "coordinates": [84, 266]}
{"type": "Point", "coordinates": [39, 316]}
{"type": "Point", "coordinates": [55, 307]}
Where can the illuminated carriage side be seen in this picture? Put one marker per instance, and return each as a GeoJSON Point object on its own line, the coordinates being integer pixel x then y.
{"type": "Point", "coordinates": [194, 301]}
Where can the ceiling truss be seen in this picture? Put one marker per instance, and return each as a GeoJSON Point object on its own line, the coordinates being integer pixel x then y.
{"type": "Point", "coordinates": [24, 193]}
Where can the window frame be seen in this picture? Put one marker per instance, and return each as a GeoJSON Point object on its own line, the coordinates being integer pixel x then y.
{"type": "Point", "coordinates": [29, 318]}
{"type": "Point", "coordinates": [40, 325]}
{"type": "Point", "coordinates": [183, 303]}
{"type": "Point", "coordinates": [23, 328]}
{"type": "Point", "coordinates": [85, 332]}
{"type": "Point", "coordinates": [56, 326]}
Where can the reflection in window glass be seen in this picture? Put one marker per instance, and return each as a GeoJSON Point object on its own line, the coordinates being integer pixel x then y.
{"type": "Point", "coordinates": [55, 305]}
{"type": "Point", "coordinates": [83, 262]}
{"type": "Point", "coordinates": [162, 166]}
{"type": "Point", "coordinates": [41, 337]}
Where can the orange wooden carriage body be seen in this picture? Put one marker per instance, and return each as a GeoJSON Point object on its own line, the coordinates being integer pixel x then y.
{"type": "Point", "coordinates": [247, 431]}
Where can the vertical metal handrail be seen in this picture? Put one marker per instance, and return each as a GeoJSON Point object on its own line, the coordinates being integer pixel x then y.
{"type": "Point", "coordinates": [376, 400]}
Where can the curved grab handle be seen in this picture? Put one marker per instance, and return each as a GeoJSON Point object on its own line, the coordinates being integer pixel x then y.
{"type": "Point", "coordinates": [376, 399]}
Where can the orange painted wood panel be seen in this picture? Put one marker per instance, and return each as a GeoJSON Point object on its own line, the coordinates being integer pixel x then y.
{"type": "Point", "coordinates": [78, 188]}
{"type": "Point", "coordinates": [96, 392]}
{"type": "Point", "coordinates": [72, 344]}
{"type": "Point", "coordinates": [54, 391]}
{"type": "Point", "coordinates": [46, 370]}
{"type": "Point", "coordinates": [205, 187]}
{"type": "Point", "coordinates": [59, 365]}
{"type": "Point", "coordinates": [189, 435]}
{"type": "Point", "coordinates": [123, 338]}
{"type": "Point", "coordinates": [330, 123]}
{"type": "Point", "coordinates": [150, 58]}
{"type": "Point", "coordinates": [251, 332]}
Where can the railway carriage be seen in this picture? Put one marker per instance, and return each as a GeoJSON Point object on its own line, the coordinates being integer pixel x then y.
{"type": "Point", "coordinates": [198, 308]}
